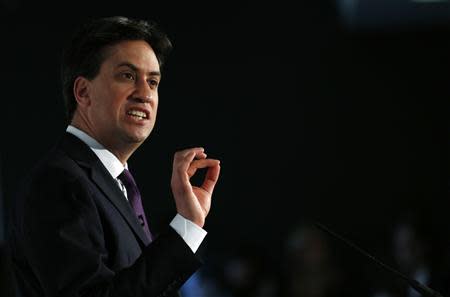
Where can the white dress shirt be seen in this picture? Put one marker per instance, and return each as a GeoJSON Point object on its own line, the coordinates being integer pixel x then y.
{"type": "Point", "coordinates": [192, 234]}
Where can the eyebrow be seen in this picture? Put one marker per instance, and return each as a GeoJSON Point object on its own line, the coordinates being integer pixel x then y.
{"type": "Point", "coordinates": [135, 68]}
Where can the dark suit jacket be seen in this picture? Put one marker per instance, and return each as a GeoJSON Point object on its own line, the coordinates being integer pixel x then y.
{"type": "Point", "coordinates": [74, 234]}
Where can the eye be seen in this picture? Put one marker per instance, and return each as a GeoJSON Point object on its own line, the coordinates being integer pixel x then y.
{"type": "Point", "coordinates": [153, 83]}
{"type": "Point", "coordinates": [128, 75]}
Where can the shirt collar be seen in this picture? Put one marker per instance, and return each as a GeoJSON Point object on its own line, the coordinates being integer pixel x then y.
{"type": "Point", "coordinates": [108, 159]}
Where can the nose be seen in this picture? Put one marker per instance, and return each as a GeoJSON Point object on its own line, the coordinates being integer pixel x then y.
{"type": "Point", "coordinates": [143, 93]}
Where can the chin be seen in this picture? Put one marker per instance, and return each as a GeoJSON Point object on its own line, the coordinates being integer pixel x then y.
{"type": "Point", "coordinates": [138, 137]}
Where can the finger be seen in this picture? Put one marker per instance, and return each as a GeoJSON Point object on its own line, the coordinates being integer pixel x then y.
{"type": "Point", "coordinates": [211, 178]}
{"type": "Point", "coordinates": [184, 163]}
{"type": "Point", "coordinates": [202, 155]}
{"type": "Point", "coordinates": [188, 155]}
{"type": "Point", "coordinates": [188, 151]}
{"type": "Point", "coordinates": [198, 164]}
{"type": "Point", "coordinates": [203, 163]}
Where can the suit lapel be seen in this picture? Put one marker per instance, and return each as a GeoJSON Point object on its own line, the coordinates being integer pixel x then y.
{"type": "Point", "coordinates": [85, 157]}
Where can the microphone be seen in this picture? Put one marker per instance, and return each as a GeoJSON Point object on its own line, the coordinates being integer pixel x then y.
{"type": "Point", "coordinates": [420, 288]}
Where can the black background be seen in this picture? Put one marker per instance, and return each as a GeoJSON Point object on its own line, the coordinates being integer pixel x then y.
{"type": "Point", "coordinates": [311, 120]}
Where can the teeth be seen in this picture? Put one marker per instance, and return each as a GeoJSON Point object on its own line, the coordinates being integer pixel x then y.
{"type": "Point", "coordinates": [137, 113]}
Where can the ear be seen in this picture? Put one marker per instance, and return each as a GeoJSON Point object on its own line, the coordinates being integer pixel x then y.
{"type": "Point", "coordinates": [81, 91]}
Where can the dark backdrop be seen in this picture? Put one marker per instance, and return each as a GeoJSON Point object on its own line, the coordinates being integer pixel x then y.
{"type": "Point", "coordinates": [310, 119]}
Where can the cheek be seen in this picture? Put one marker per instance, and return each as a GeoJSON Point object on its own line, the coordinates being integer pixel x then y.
{"type": "Point", "coordinates": [106, 111]}
{"type": "Point", "coordinates": [115, 104]}
{"type": "Point", "coordinates": [155, 103]}
{"type": "Point", "coordinates": [155, 109]}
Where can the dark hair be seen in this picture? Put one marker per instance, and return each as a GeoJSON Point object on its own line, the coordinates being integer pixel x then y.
{"type": "Point", "coordinates": [85, 52]}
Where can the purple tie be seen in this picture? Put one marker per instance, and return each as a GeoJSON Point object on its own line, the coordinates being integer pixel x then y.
{"type": "Point", "coordinates": [134, 197]}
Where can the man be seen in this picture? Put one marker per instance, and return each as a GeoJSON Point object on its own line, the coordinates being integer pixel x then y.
{"type": "Point", "coordinates": [78, 225]}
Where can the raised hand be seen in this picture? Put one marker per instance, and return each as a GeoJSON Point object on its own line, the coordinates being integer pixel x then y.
{"type": "Point", "coordinates": [193, 202]}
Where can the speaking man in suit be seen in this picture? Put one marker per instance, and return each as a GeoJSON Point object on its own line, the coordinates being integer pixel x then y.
{"type": "Point", "coordinates": [78, 226]}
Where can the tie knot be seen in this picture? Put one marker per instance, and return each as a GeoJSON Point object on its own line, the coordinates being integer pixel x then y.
{"type": "Point", "coordinates": [127, 179]}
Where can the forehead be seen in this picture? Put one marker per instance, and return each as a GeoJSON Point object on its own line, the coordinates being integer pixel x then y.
{"type": "Point", "coordinates": [136, 52]}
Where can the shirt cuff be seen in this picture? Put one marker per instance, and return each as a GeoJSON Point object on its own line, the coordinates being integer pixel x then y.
{"type": "Point", "coordinates": [192, 234]}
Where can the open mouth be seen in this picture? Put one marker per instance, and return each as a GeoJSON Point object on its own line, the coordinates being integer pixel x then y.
{"type": "Point", "coordinates": [138, 114]}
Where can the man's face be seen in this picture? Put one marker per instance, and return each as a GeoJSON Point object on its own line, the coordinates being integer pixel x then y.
{"type": "Point", "coordinates": [124, 95]}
